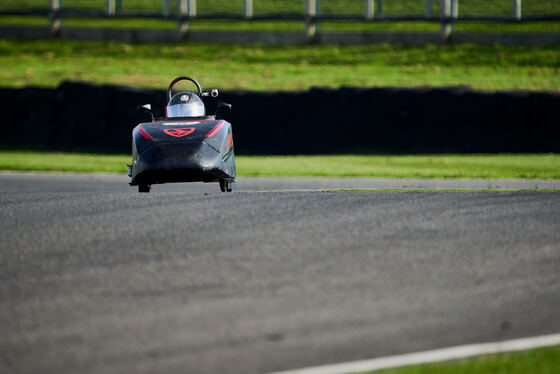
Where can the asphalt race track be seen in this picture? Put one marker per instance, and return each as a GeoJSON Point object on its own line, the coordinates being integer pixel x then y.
{"type": "Point", "coordinates": [97, 278]}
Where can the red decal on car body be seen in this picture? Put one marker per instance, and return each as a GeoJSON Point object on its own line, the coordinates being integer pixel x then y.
{"type": "Point", "coordinates": [179, 132]}
{"type": "Point", "coordinates": [216, 129]}
{"type": "Point", "coordinates": [229, 140]}
{"type": "Point", "coordinates": [144, 133]}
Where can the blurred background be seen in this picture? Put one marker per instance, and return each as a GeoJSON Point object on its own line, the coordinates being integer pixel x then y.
{"type": "Point", "coordinates": [415, 76]}
{"type": "Point", "coordinates": [287, 15]}
{"type": "Point", "coordinates": [489, 45]}
{"type": "Point", "coordinates": [96, 278]}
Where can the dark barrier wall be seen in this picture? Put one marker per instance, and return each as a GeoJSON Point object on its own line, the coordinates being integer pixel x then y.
{"type": "Point", "coordinates": [79, 116]}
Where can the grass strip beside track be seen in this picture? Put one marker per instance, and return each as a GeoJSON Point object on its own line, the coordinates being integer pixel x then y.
{"type": "Point", "coordinates": [497, 7]}
{"type": "Point", "coordinates": [345, 7]}
{"type": "Point", "coordinates": [242, 25]}
{"type": "Point", "coordinates": [47, 63]}
{"type": "Point", "coordinates": [536, 361]}
{"type": "Point", "coordinates": [543, 166]}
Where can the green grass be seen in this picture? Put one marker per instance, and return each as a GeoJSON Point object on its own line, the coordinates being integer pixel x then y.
{"type": "Point", "coordinates": [48, 62]}
{"type": "Point", "coordinates": [62, 162]}
{"type": "Point", "coordinates": [536, 361]}
{"type": "Point", "coordinates": [344, 7]}
{"type": "Point", "coordinates": [495, 7]}
{"type": "Point", "coordinates": [414, 166]}
{"type": "Point", "coordinates": [417, 166]}
{"type": "Point", "coordinates": [240, 25]}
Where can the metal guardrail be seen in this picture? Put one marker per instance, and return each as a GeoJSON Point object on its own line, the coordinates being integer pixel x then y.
{"type": "Point", "coordinates": [372, 11]}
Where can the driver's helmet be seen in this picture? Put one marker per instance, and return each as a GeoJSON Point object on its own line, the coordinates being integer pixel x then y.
{"type": "Point", "coordinates": [185, 104]}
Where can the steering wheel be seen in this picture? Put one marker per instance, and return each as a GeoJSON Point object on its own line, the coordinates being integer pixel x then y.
{"type": "Point", "coordinates": [183, 78]}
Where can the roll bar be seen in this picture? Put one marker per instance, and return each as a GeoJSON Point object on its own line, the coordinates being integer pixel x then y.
{"type": "Point", "coordinates": [213, 92]}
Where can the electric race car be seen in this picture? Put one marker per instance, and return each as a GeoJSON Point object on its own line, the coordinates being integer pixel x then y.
{"type": "Point", "coordinates": [184, 146]}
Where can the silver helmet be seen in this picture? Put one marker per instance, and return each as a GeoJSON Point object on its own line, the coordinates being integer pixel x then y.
{"type": "Point", "coordinates": [185, 104]}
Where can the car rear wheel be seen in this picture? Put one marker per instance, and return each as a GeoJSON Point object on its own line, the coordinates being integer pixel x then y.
{"type": "Point", "coordinates": [144, 188]}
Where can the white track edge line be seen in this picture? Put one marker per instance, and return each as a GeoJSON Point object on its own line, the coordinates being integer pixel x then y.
{"type": "Point", "coordinates": [425, 357]}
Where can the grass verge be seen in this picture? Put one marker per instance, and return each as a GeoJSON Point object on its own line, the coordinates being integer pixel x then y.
{"type": "Point", "coordinates": [536, 361]}
{"type": "Point", "coordinates": [545, 166]}
{"type": "Point", "coordinates": [47, 63]}
{"type": "Point", "coordinates": [497, 7]}
{"type": "Point", "coordinates": [242, 25]}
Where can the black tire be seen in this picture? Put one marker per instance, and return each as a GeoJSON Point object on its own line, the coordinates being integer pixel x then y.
{"type": "Point", "coordinates": [144, 188]}
{"type": "Point", "coordinates": [229, 186]}
{"type": "Point", "coordinates": [223, 185]}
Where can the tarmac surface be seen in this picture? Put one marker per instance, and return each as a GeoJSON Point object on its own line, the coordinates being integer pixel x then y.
{"type": "Point", "coordinates": [97, 278]}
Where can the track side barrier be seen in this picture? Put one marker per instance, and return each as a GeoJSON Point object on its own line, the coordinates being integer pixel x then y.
{"type": "Point", "coordinates": [79, 116]}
